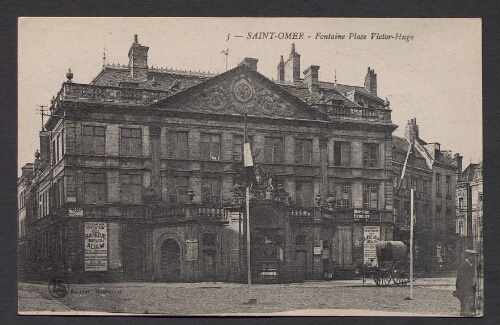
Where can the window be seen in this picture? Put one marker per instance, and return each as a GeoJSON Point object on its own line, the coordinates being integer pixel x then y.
{"type": "Point", "coordinates": [177, 146]}
{"type": "Point", "coordinates": [58, 143]}
{"type": "Point", "coordinates": [460, 203]}
{"type": "Point", "coordinates": [438, 184]}
{"type": "Point", "coordinates": [210, 146]}
{"type": "Point", "coordinates": [131, 188]}
{"type": "Point", "coordinates": [425, 213]}
{"type": "Point", "coordinates": [448, 185]}
{"type": "Point", "coordinates": [370, 196]}
{"type": "Point", "coordinates": [54, 152]}
{"type": "Point", "coordinates": [95, 187]}
{"type": "Point", "coordinates": [425, 188]}
{"type": "Point", "coordinates": [341, 153]}
{"type": "Point", "coordinates": [342, 191]}
{"type": "Point", "coordinates": [395, 180]}
{"type": "Point", "coordinates": [177, 189]}
{"type": "Point", "coordinates": [370, 155]}
{"type": "Point", "coordinates": [406, 211]}
{"type": "Point", "coordinates": [211, 191]}
{"type": "Point", "coordinates": [273, 150]}
{"type": "Point", "coordinates": [131, 142]}
{"type": "Point", "coordinates": [304, 194]}
{"type": "Point", "coordinates": [93, 140]}
{"type": "Point", "coordinates": [303, 151]}
{"type": "Point", "coordinates": [438, 214]}
{"type": "Point", "coordinates": [238, 147]}
{"type": "Point", "coordinates": [461, 228]}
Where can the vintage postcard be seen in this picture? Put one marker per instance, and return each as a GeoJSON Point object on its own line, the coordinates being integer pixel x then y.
{"type": "Point", "coordinates": [250, 166]}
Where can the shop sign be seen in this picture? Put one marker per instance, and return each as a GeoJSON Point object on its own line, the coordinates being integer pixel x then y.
{"type": "Point", "coordinates": [96, 246]}
{"type": "Point", "coordinates": [371, 236]}
{"type": "Point", "coordinates": [75, 212]}
{"type": "Point", "coordinates": [191, 249]}
{"type": "Point", "coordinates": [361, 215]}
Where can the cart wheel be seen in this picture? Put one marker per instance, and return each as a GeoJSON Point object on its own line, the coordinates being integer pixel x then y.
{"type": "Point", "coordinates": [376, 278]}
{"type": "Point", "coordinates": [401, 273]}
{"type": "Point", "coordinates": [385, 278]}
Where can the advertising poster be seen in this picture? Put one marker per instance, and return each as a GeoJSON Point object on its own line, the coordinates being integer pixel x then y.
{"type": "Point", "coordinates": [371, 235]}
{"type": "Point", "coordinates": [96, 246]}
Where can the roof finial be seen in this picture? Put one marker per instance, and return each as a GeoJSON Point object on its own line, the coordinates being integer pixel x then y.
{"type": "Point", "coordinates": [136, 39]}
{"type": "Point", "coordinates": [335, 78]}
{"type": "Point", "coordinates": [104, 57]}
{"type": "Point", "coordinates": [69, 75]}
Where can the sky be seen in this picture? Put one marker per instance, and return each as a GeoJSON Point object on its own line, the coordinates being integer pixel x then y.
{"type": "Point", "coordinates": [434, 75]}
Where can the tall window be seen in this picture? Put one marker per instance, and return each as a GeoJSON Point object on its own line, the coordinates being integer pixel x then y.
{"type": "Point", "coordinates": [93, 140]}
{"type": "Point", "coordinates": [210, 146]}
{"type": "Point", "coordinates": [304, 193]}
{"type": "Point", "coordinates": [177, 146]}
{"type": "Point", "coordinates": [395, 180]}
{"type": "Point", "coordinates": [370, 196]}
{"type": "Point", "coordinates": [238, 147]}
{"type": "Point", "coordinates": [131, 188]}
{"type": "Point", "coordinates": [438, 214]}
{"type": "Point", "coordinates": [438, 184]}
{"type": "Point", "coordinates": [177, 189]}
{"type": "Point", "coordinates": [341, 153]}
{"type": "Point", "coordinates": [414, 183]}
{"type": "Point", "coordinates": [448, 185]}
{"type": "Point", "coordinates": [131, 142]}
{"type": "Point", "coordinates": [303, 151]}
{"type": "Point", "coordinates": [460, 203]}
{"type": "Point", "coordinates": [425, 188]}
{"type": "Point", "coordinates": [370, 155]}
{"type": "Point", "coordinates": [95, 187]}
{"type": "Point", "coordinates": [211, 190]}
{"type": "Point", "coordinates": [396, 210]}
{"type": "Point", "coordinates": [425, 214]}
{"type": "Point", "coordinates": [273, 150]}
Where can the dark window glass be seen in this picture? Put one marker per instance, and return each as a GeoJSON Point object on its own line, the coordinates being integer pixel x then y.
{"type": "Point", "coordinates": [177, 189]}
{"type": "Point", "coordinates": [370, 155]}
{"type": "Point", "coordinates": [303, 151]}
{"type": "Point", "coordinates": [211, 191]}
{"type": "Point", "coordinates": [93, 140]}
{"type": "Point", "coordinates": [341, 153]}
{"type": "Point", "coordinates": [177, 146]}
{"type": "Point", "coordinates": [95, 187]}
{"type": "Point", "coordinates": [131, 142]}
{"type": "Point", "coordinates": [370, 196]}
{"type": "Point", "coordinates": [210, 146]}
{"type": "Point", "coordinates": [273, 150]}
{"type": "Point", "coordinates": [131, 188]}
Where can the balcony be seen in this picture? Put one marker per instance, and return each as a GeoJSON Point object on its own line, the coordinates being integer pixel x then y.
{"type": "Point", "coordinates": [350, 113]}
{"type": "Point", "coordinates": [107, 94]}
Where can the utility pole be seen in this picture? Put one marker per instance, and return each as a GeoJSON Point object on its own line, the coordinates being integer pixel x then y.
{"type": "Point", "coordinates": [226, 53]}
{"type": "Point", "coordinates": [42, 110]}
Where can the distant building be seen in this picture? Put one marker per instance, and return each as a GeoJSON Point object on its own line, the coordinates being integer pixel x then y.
{"type": "Point", "coordinates": [434, 186]}
{"type": "Point", "coordinates": [140, 171]}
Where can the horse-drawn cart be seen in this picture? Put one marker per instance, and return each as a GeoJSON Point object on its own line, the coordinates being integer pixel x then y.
{"type": "Point", "coordinates": [393, 267]}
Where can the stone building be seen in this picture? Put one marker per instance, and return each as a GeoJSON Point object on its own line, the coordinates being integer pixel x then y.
{"type": "Point", "coordinates": [140, 175]}
{"type": "Point", "coordinates": [434, 185]}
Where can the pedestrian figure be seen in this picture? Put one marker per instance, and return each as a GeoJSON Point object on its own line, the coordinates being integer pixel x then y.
{"type": "Point", "coordinates": [466, 284]}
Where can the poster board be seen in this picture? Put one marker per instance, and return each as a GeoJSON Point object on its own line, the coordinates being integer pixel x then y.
{"type": "Point", "coordinates": [96, 246]}
{"type": "Point", "coordinates": [371, 236]}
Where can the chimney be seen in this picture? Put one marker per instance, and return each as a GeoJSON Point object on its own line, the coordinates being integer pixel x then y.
{"type": "Point", "coordinates": [411, 130]}
{"type": "Point", "coordinates": [281, 70]}
{"type": "Point", "coordinates": [44, 149]}
{"type": "Point", "coordinates": [311, 78]}
{"type": "Point", "coordinates": [457, 161]}
{"type": "Point", "coordinates": [292, 66]}
{"type": "Point", "coordinates": [371, 81]}
{"type": "Point", "coordinates": [250, 62]}
{"type": "Point", "coordinates": [138, 60]}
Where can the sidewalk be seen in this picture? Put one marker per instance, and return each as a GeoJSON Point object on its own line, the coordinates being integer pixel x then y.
{"type": "Point", "coordinates": [33, 301]}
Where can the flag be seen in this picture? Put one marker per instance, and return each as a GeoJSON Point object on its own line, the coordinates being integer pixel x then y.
{"type": "Point", "coordinates": [247, 155]}
{"type": "Point", "coordinates": [248, 163]}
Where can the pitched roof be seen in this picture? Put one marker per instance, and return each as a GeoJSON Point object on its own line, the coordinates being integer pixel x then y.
{"type": "Point", "coordinates": [401, 145]}
{"type": "Point", "coordinates": [468, 173]}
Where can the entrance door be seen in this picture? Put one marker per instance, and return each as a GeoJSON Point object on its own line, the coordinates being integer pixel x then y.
{"type": "Point", "coordinates": [344, 253]}
{"type": "Point", "coordinates": [209, 265]}
{"type": "Point", "coordinates": [301, 257]}
{"type": "Point", "coordinates": [170, 261]}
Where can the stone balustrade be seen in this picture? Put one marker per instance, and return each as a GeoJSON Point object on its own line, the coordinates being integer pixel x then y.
{"type": "Point", "coordinates": [351, 113]}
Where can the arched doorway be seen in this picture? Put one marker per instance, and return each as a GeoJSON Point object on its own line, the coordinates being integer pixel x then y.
{"type": "Point", "coordinates": [170, 262]}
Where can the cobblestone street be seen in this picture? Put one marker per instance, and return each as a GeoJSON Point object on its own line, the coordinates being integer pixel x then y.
{"type": "Point", "coordinates": [432, 296]}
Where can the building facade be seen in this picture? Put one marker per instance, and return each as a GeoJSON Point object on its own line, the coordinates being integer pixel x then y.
{"type": "Point", "coordinates": [140, 175]}
{"type": "Point", "coordinates": [432, 173]}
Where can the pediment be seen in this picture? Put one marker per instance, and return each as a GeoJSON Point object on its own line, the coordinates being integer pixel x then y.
{"type": "Point", "coordinates": [239, 91]}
